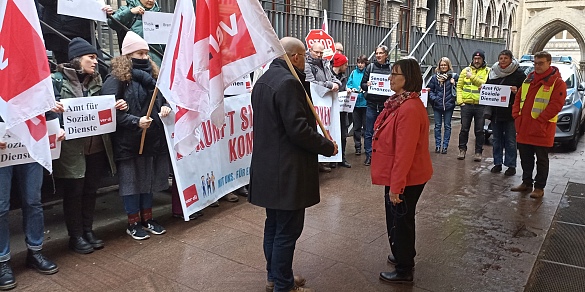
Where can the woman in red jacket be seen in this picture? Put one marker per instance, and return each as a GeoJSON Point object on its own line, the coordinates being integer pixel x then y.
{"type": "Point", "coordinates": [402, 163]}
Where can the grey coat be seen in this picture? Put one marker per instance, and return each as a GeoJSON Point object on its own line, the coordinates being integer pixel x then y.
{"type": "Point", "coordinates": [319, 72]}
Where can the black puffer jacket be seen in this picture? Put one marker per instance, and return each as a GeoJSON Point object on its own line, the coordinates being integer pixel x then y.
{"type": "Point", "coordinates": [377, 68]}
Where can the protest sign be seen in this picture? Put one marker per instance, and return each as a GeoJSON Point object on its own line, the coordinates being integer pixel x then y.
{"type": "Point", "coordinates": [16, 153]}
{"type": "Point", "coordinates": [424, 95]}
{"type": "Point", "coordinates": [156, 27]}
{"type": "Point", "coordinates": [327, 106]}
{"type": "Point", "coordinates": [221, 161]}
{"type": "Point", "coordinates": [495, 95]}
{"type": "Point", "coordinates": [347, 101]}
{"type": "Point", "coordinates": [380, 84]}
{"type": "Point", "coordinates": [88, 9]}
{"type": "Point", "coordinates": [89, 116]}
{"type": "Point", "coordinates": [241, 86]}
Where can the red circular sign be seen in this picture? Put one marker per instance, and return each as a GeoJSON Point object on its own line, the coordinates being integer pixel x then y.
{"type": "Point", "coordinates": [319, 35]}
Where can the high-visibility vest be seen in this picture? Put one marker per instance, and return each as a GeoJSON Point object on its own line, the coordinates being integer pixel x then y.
{"type": "Point", "coordinates": [540, 100]}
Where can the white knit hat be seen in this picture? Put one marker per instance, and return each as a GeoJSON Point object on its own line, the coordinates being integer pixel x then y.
{"type": "Point", "coordinates": [132, 43]}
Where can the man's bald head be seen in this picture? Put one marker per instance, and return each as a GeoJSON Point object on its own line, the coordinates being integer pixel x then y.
{"type": "Point", "coordinates": [317, 50]}
{"type": "Point", "coordinates": [295, 49]}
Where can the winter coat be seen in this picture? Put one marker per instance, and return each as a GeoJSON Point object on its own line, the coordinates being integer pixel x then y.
{"type": "Point", "coordinates": [468, 88]}
{"type": "Point", "coordinates": [400, 148]}
{"type": "Point", "coordinates": [284, 170]}
{"type": "Point", "coordinates": [376, 68]}
{"type": "Point", "coordinates": [504, 114]}
{"type": "Point", "coordinates": [71, 163]}
{"type": "Point", "coordinates": [441, 95]}
{"type": "Point", "coordinates": [354, 82]}
{"type": "Point", "coordinates": [319, 72]}
{"type": "Point", "coordinates": [70, 26]}
{"type": "Point", "coordinates": [539, 131]}
{"type": "Point", "coordinates": [342, 78]}
{"type": "Point", "coordinates": [137, 92]}
{"type": "Point", "coordinates": [134, 23]}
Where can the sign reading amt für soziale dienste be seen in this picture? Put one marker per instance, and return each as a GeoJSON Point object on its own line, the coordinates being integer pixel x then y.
{"type": "Point", "coordinates": [495, 95]}
{"type": "Point", "coordinates": [89, 116]}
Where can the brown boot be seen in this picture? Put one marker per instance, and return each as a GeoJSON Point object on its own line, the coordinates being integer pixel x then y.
{"type": "Point", "coordinates": [537, 193]}
{"type": "Point", "coordinates": [522, 188]}
{"type": "Point", "coordinates": [299, 282]}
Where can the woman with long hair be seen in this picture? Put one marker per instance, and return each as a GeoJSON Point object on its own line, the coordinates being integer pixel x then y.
{"type": "Point", "coordinates": [442, 93]}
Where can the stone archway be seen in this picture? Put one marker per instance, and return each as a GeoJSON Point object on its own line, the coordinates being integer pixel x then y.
{"type": "Point", "coordinates": [541, 36]}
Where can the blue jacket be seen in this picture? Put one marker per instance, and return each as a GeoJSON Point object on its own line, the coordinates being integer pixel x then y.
{"type": "Point", "coordinates": [353, 82]}
{"type": "Point", "coordinates": [441, 96]}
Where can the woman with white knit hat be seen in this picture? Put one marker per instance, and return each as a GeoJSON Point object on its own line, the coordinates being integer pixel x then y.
{"type": "Point", "coordinates": [133, 79]}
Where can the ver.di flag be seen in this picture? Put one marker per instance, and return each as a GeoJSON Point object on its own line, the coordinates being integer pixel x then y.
{"type": "Point", "coordinates": [230, 42]}
{"type": "Point", "coordinates": [26, 90]}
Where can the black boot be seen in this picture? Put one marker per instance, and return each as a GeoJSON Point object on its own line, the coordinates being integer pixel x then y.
{"type": "Point", "coordinates": [79, 245]}
{"type": "Point", "coordinates": [36, 260]}
{"type": "Point", "coordinates": [395, 277]}
{"type": "Point", "coordinates": [7, 280]}
{"type": "Point", "coordinates": [95, 242]}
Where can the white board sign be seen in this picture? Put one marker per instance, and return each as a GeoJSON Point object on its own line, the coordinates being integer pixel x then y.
{"type": "Point", "coordinates": [156, 27]}
{"type": "Point", "coordinates": [15, 152]}
{"type": "Point", "coordinates": [326, 104]}
{"type": "Point", "coordinates": [89, 116]}
{"type": "Point", "coordinates": [380, 85]}
{"type": "Point", "coordinates": [347, 101]}
{"type": "Point", "coordinates": [495, 95]}
{"type": "Point", "coordinates": [88, 9]}
{"type": "Point", "coordinates": [424, 95]}
{"type": "Point", "coordinates": [241, 86]}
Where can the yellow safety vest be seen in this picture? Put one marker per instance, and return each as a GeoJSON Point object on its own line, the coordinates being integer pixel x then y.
{"type": "Point", "coordinates": [540, 100]}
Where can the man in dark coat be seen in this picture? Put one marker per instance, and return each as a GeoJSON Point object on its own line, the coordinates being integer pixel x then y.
{"type": "Point", "coordinates": [284, 176]}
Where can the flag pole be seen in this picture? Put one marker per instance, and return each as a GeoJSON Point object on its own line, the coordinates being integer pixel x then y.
{"type": "Point", "coordinates": [148, 115]}
{"type": "Point", "coordinates": [294, 73]}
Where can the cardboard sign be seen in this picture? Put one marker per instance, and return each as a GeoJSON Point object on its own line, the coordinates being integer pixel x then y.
{"type": "Point", "coordinates": [495, 95]}
{"type": "Point", "coordinates": [380, 85]}
{"type": "Point", "coordinates": [241, 86]}
{"type": "Point", "coordinates": [89, 116]}
{"type": "Point", "coordinates": [326, 105]}
{"type": "Point", "coordinates": [347, 101]}
{"type": "Point", "coordinates": [88, 9]}
{"type": "Point", "coordinates": [15, 152]}
{"type": "Point", "coordinates": [424, 95]}
{"type": "Point", "coordinates": [156, 27]}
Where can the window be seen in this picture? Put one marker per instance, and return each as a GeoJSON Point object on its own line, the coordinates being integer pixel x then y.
{"type": "Point", "coordinates": [276, 5]}
{"type": "Point", "coordinates": [404, 26]}
{"type": "Point", "coordinates": [373, 12]}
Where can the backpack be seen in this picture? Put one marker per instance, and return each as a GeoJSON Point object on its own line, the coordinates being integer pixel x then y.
{"type": "Point", "coordinates": [57, 79]}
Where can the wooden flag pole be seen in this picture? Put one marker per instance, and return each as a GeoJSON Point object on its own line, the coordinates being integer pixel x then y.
{"type": "Point", "coordinates": [152, 100]}
{"type": "Point", "coordinates": [294, 72]}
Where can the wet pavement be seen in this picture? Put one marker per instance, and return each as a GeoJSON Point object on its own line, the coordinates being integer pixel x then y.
{"type": "Point", "coordinates": [473, 234]}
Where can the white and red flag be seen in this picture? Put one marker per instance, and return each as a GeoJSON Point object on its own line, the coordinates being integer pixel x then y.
{"type": "Point", "coordinates": [26, 90]}
{"type": "Point", "coordinates": [325, 25]}
{"type": "Point", "coordinates": [232, 38]}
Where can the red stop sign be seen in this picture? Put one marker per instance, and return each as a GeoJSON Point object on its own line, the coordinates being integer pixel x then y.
{"type": "Point", "coordinates": [319, 35]}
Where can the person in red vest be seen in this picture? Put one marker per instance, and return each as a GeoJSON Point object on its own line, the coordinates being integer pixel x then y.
{"type": "Point", "coordinates": [542, 96]}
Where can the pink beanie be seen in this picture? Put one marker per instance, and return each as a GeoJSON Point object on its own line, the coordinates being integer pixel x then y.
{"type": "Point", "coordinates": [132, 43]}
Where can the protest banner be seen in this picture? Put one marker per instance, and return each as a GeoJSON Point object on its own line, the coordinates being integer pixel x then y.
{"type": "Point", "coordinates": [241, 86]}
{"type": "Point", "coordinates": [424, 95]}
{"type": "Point", "coordinates": [89, 116]}
{"type": "Point", "coordinates": [495, 95]}
{"type": "Point", "coordinates": [16, 153]}
{"type": "Point", "coordinates": [156, 27]}
{"type": "Point", "coordinates": [88, 9]}
{"type": "Point", "coordinates": [380, 84]}
{"type": "Point", "coordinates": [327, 106]}
{"type": "Point", "coordinates": [347, 101]}
{"type": "Point", "coordinates": [221, 161]}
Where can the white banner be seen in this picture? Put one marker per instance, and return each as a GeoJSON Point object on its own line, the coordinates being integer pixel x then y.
{"type": "Point", "coordinates": [89, 9]}
{"type": "Point", "coordinates": [15, 152]}
{"type": "Point", "coordinates": [156, 27]}
{"type": "Point", "coordinates": [424, 95]}
{"type": "Point", "coordinates": [380, 84]}
{"type": "Point", "coordinates": [327, 106]}
{"type": "Point", "coordinates": [89, 116]}
{"type": "Point", "coordinates": [221, 162]}
{"type": "Point", "coordinates": [241, 86]}
{"type": "Point", "coordinates": [495, 95]}
{"type": "Point", "coordinates": [347, 101]}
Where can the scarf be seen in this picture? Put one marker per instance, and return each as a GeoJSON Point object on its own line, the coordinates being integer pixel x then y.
{"type": "Point", "coordinates": [499, 72]}
{"type": "Point", "coordinates": [392, 104]}
{"type": "Point", "coordinates": [442, 77]}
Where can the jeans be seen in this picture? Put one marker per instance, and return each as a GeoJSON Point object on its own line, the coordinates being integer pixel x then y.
{"type": "Point", "coordinates": [281, 231]}
{"type": "Point", "coordinates": [134, 203]}
{"type": "Point", "coordinates": [440, 118]}
{"type": "Point", "coordinates": [359, 122]}
{"type": "Point", "coordinates": [504, 134]}
{"type": "Point", "coordinates": [401, 227]}
{"type": "Point", "coordinates": [469, 112]}
{"type": "Point", "coordinates": [527, 153]}
{"type": "Point", "coordinates": [372, 113]}
{"type": "Point", "coordinates": [29, 180]}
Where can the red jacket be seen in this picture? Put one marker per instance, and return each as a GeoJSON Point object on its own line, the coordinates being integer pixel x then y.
{"type": "Point", "coordinates": [539, 131]}
{"type": "Point", "coordinates": [400, 148]}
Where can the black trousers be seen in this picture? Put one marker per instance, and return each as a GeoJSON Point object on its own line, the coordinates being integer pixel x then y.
{"type": "Point", "coordinates": [344, 120]}
{"type": "Point", "coordinates": [527, 153]}
{"type": "Point", "coordinates": [401, 226]}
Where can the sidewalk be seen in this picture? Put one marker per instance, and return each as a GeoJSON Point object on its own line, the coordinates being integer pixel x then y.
{"type": "Point", "coordinates": [473, 234]}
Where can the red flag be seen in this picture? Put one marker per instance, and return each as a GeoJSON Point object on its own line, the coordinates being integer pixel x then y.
{"type": "Point", "coordinates": [26, 91]}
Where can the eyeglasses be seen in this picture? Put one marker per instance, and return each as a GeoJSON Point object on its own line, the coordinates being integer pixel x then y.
{"type": "Point", "coordinates": [539, 63]}
{"type": "Point", "coordinates": [317, 52]}
{"type": "Point", "coordinates": [396, 74]}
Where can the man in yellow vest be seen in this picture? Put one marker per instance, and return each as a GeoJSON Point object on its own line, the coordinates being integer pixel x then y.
{"type": "Point", "coordinates": [470, 80]}
{"type": "Point", "coordinates": [542, 97]}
